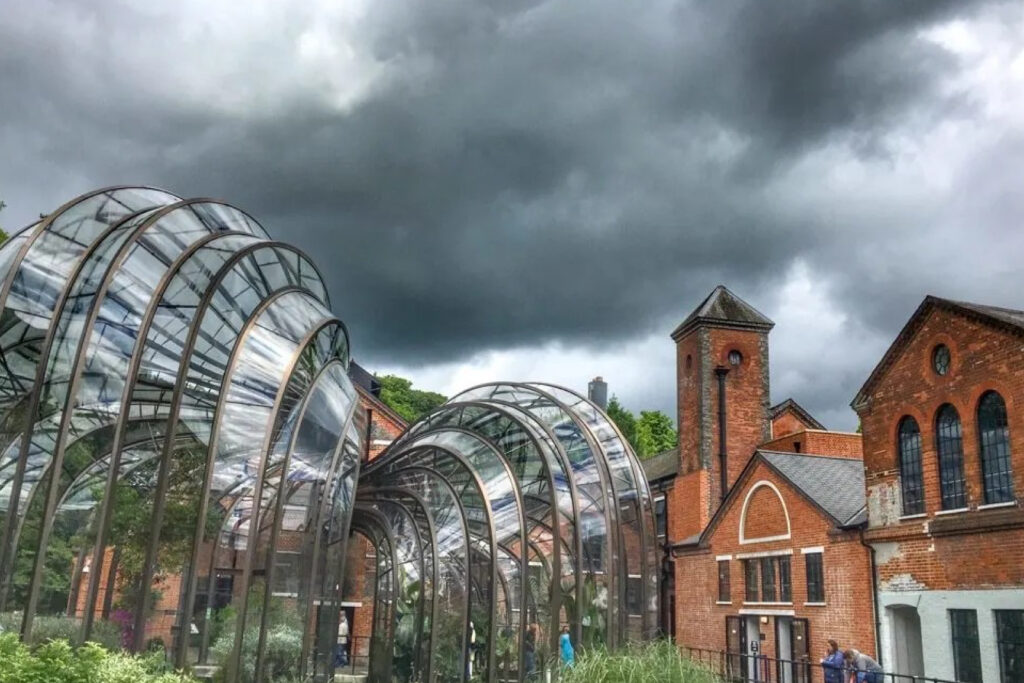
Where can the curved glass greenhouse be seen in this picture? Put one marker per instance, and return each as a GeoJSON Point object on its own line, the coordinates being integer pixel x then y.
{"type": "Point", "coordinates": [180, 451]}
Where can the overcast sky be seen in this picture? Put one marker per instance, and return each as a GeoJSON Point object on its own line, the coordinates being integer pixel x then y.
{"type": "Point", "coordinates": [543, 190]}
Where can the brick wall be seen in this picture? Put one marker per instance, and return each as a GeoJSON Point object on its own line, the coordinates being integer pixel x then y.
{"type": "Point", "coordinates": [973, 549]}
{"type": "Point", "coordinates": [847, 614]}
{"type": "Point", "coordinates": [787, 422]}
{"type": "Point", "coordinates": [818, 442]}
{"type": "Point", "coordinates": [746, 392]}
{"type": "Point", "coordinates": [766, 514]}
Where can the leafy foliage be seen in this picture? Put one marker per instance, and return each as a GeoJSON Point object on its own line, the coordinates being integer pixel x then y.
{"type": "Point", "coordinates": [57, 662]}
{"type": "Point", "coordinates": [411, 404]}
{"type": "Point", "coordinates": [46, 628]}
{"type": "Point", "coordinates": [405, 631]}
{"type": "Point", "coordinates": [283, 648]}
{"type": "Point", "coordinates": [623, 419]}
{"type": "Point", "coordinates": [654, 433]}
{"type": "Point", "coordinates": [649, 435]}
{"type": "Point", "coordinates": [654, 662]}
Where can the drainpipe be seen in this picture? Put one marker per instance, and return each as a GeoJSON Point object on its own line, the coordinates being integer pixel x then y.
{"type": "Point", "coordinates": [723, 457]}
{"type": "Point", "coordinates": [874, 596]}
{"type": "Point", "coordinates": [369, 435]}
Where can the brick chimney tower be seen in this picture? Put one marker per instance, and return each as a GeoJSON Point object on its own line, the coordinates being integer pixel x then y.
{"type": "Point", "coordinates": [723, 402]}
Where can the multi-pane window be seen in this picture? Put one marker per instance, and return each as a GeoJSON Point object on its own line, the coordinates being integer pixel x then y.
{"type": "Point", "coordinates": [950, 443]}
{"type": "Point", "coordinates": [1010, 638]}
{"type": "Point", "coordinates": [815, 577]}
{"type": "Point", "coordinates": [785, 579]}
{"type": "Point", "coordinates": [966, 648]}
{"type": "Point", "coordinates": [911, 481]}
{"type": "Point", "coordinates": [724, 589]}
{"type": "Point", "coordinates": [768, 579]}
{"type": "Point", "coordinates": [994, 437]}
{"type": "Point", "coordinates": [661, 517]}
{"type": "Point", "coordinates": [751, 593]}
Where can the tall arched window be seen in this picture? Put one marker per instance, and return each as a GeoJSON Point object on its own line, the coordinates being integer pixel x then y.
{"type": "Point", "coordinates": [950, 442]}
{"type": "Point", "coordinates": [994, 437]}
{"type": "Point", "coordinates": [911, 481]}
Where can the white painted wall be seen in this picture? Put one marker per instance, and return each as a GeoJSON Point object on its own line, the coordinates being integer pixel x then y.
{"type": "Point", "coordinates": [936, 640]}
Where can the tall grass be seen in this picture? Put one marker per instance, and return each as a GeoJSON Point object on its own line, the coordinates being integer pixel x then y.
{"type": "Point", "coordinates": [658, 662]}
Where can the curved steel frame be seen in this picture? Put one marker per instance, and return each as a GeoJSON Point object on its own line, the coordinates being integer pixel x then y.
{"type": "Point", "coordinates": [139, 326]}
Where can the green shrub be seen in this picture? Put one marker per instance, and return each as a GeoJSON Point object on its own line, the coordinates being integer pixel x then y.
{"type": "Point", "coordinates": [283, 649]}
{"type": "Point", "coordinates": [62, 628]}
{"type": "Point", "coordinates": [656, 662]}
{"type": "Point", "coordinates": [57, 662]}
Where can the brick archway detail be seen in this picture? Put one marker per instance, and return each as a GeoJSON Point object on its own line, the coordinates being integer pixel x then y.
{"type": "Point", "coordinates": [744, 539]}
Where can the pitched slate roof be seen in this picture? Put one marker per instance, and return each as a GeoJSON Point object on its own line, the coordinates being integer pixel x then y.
{"type": "Point", "coordinates": [1007, 319]}
{"type": "Point", "coordinates": [724, 309]}
{"type": "Point", "coordinates": [836, 485]}
{"type": "Point", "coordinates": [662, 465]}
{"type": "Point", "coordinates": [833, 485]}
{"type": "Point", "coordinates": [790, 404]}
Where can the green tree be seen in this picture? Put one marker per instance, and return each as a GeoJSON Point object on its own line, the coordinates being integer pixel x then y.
{"type": "Point", "coordinates": [649, 435]}
{"type": "Point", "coordinates": [624, 420]}
{"type": "Point", "coordinates": [654, 433]}
{"type": "Point", "coordinates": [411, 404]}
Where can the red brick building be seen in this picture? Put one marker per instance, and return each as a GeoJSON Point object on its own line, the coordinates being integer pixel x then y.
{"type": "Point", "coordinates": [944, 458]}
{"type": "Point", "coordinates": [760, 506]}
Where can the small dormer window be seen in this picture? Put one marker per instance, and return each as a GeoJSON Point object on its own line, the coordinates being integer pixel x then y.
{"type": "Point", "coordinates": [735, 358]}
{"type": "Point", "coordinates": [940, 359]}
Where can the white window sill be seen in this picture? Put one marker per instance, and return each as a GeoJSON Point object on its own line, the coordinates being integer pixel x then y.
{"type": "Point", "coordinates": [993, 506]}
{"type": "Point", "coordinates": [955, 511]}
{"type": "Point", "coordinates": [720, 602]}
{"type": "Point", "coordinates": [765, 603]}
{"type": "Point", "coordinates": [919, 515]}
{"type": "Point", "coordinates": [815, 604]}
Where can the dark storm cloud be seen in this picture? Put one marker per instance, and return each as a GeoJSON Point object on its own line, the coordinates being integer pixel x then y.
{"type": "Point", "coordinates": [524, 172]}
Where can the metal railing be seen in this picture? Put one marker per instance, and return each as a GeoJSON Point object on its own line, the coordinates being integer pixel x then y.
{"type": "Point", "coordinates": [736, 667]}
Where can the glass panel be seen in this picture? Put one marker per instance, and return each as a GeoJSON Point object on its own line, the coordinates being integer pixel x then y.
{"type": "Point", "coordinates": [966, 648]}
{"type": "Point", "coordinates": [768, 579]}
{"type": "Point", "coordinates": [994, 435]}
{"type": "Point", "coordinates": [724, 591]}
{"type": "Point", "coordinates": [785, 580]}
{"type": "Point", "coordinates": [815, 577]}
{"type": "Point", "coordinates": [951, 458]}
{"type": "Point", "coordinates": [750, 581]}
{"type": "Point", "coordinates": [1010, 637]}
{"type": "Point", "coordinates": [912, 483]}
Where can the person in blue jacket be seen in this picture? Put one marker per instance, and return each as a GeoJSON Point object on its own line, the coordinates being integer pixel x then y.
{"type": "Point", "coordinates": [833, 663]}
{"type": "Point", "coordinates": [565, 646]}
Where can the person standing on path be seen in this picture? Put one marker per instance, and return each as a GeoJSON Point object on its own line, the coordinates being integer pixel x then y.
{"type": "Point", "coordinates": [565, 647]}
{"type": "Point", "coordinates": [530, 651]}
{"type": "Point", "coordinates": [342, 656]}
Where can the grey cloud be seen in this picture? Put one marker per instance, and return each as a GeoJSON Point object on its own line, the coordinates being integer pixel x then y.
{"type": "Point", "coordinates": [526, 172]}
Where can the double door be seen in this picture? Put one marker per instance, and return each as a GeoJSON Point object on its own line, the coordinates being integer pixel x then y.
{"type": "Point", "coordinates": [746, 659]}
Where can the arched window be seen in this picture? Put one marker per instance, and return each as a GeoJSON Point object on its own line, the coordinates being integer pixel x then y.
{"type": "Point", "coordinates": [911, 481]}
{"type": "Point", "coordinates": [950, 442]}
{"type": "Point", "coordinates": [994, 437]}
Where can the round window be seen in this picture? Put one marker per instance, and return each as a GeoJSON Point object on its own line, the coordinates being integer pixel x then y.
{"type": "Point", "coordinates": [940, 359]}
{"type": "Point", "coordinates": [735, 358]}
